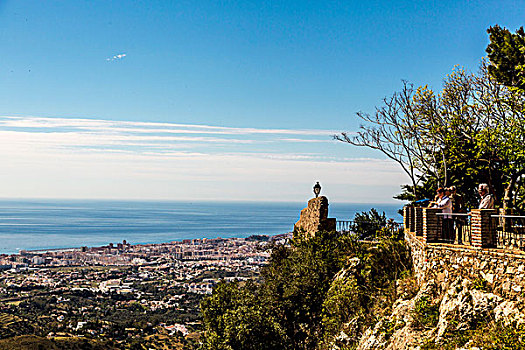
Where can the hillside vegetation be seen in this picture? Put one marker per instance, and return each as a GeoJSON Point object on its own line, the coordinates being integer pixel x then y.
{"type": "Point", "coordinates": [334, 292]}
{"type": "Point", "coordinates": [10, 325]}
{"type": "Point", "coordinates": [31, 342]}
{"type": "Point", "coordinates": [311, 292]}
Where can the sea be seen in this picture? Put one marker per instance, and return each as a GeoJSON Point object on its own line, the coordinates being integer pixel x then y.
{"type": "Point", "coordinates": [50, 224]}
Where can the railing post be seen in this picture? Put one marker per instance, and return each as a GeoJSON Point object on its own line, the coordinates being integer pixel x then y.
{"type": "Point", "coordinates": [505, 238]}
{"type": "Point", "coordinates": [418, 221]}
{"type": "Point", "coordinates": [458, 230]}
{"type": "Point", "coordinates": [431, 224]}
{"type": "Point", "coordinates": [343, 226]}
{"type": "Point", "coordinates": [483, 231]}
{"type": "Point", "coordinates": [504, 222]}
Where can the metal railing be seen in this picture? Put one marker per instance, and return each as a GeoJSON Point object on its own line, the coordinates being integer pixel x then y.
{"type": "Point", "coordinates": [510, 231]}
{"type": "Point", "coordinates": [344, 226]}
{"type": "Point", "coordinates": [457, 229]}
{"type": "Point", "coordinates": [349, 226]}
{"type": "Point", "coordinates": [492, 230]}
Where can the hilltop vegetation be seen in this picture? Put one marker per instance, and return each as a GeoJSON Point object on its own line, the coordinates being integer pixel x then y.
{"type": "Point", "coordinates": [10, 325]}
{"type": "Point", "coordinates": [471, 131]}
{"type": "Point", "coordinates": [334, 292]}
{"type": "Point", "coordinates": [86, 318]}
{"type": "Point", "coordinates": [311, 291]}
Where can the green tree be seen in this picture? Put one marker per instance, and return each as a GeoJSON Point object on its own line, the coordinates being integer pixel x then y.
{"type": "Point", "coordinates": [368, 223]}
{"type": "Point", "coordinates": [361, 292]}
{"type": "Point", "coordinates": [284, 312]}
{"type": "Point", "coordinates": [470, 132]}
{"type": "Point", "coordinates": [506, 53]}
{"type": "Point", "coordinates": [300, 303]}
{"type": "Point", "coordinates": [297, 280]}
{"type": "Point", "coordinates": [235, 318]}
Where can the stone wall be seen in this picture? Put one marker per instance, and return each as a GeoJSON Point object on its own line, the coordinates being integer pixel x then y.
{"type": "Point", "coordinates": [504, 271]}
{"type": "Point", "coordinates": [314, 218]}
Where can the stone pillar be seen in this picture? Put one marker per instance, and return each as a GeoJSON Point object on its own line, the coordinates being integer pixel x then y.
{"type": "Point", "coordinates": [412, 219]}
{"type": "Point", "coordinates": [418, 221]}
{"type": "Point", "coordinates": [406, 217]}
{"type": "Point", "coordinates": [483, 228]}
{"type": "Point", "coordinates": [314, 218]}
{"type": "Point", "coordinates": [431, 224]}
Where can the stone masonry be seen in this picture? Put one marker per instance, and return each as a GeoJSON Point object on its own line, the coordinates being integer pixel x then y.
{"type": "Point", "coordinates": [431, 224]}
{"type": "Point", "coordinates": [481, 262]}
{"type": "Point", "coordinates": [314, 218]}
{"type": "Point", "coordinates": [502, 270]}
{"type": "Point", "coordinates": [481, 222]}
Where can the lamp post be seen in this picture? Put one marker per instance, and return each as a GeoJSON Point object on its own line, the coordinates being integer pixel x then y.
{"type": "Point", "coordinates": [317, 189]}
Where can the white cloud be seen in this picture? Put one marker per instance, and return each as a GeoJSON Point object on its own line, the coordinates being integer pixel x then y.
{"type": "Point", "coordinates": [111, 135]}
{"type": "Point", "coordinates": [116, 57]}
{"type": "Point", "coordinates": [304, 140]}
{"type": "Point", "coordinates": [86, 158]}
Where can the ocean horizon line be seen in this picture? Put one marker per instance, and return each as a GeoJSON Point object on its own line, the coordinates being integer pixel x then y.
{"type": "Point", "coordinates": [146, 200]}
{"type": "Point", "coordinates": [48, 223]}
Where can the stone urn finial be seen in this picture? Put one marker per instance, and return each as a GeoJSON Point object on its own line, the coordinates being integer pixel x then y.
{"type": "Point", "coordinates": [317, 189]}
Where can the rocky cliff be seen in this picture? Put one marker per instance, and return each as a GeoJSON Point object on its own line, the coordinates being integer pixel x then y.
{"type": "Point", "coordinates": [460, 317]}
{"type": "Point", "coordinates": [440, 307]}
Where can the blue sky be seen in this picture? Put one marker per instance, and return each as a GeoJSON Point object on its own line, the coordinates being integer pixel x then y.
{"type": "Point", "coordinates": [203, 84]}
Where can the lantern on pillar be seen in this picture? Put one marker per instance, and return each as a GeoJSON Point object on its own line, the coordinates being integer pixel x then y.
{"type": "Point", "coordinates": [317, 189]}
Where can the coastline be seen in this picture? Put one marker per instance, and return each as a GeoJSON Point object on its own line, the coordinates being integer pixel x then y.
{"type": "Point", "coordinates": [126, 254]}
{"type": "Point", "coordinates": [50, 224]}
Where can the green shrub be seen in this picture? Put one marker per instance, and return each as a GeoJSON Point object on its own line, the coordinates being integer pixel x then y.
{"type": "Point", "coordinates": [499, 336]}
{"type": "Point", "coordinates": [487, 336]}
{"type": "Point", "coordinates": [388, 327]}
{"type": "Point", "coordinates": [425, 314]}
{"type": "Point", "coordinates": [481, 284]}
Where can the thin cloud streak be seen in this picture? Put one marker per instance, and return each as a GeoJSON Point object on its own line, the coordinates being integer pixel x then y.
{"type": "Point", "coordinates": [161, 139]}
{"type": "Point", "coordinates": [116, 57]}
{"type": "Point", "coordinates": [115, 136]}
{"type": "Point", "coordinates": [145, 127]}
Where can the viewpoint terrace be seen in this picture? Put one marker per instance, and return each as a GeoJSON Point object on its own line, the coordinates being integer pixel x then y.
{"type": "Point", "coordinates": [488, 248]}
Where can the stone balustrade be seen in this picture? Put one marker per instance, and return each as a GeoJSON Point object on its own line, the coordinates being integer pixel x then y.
{"type": "Point", "coordinates": [482, 258]}
{"type": "Point", "coordinates": [427, 224]}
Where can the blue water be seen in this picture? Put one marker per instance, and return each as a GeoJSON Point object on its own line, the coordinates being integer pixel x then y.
{"type": "Point", "coordinates": [46, 224]}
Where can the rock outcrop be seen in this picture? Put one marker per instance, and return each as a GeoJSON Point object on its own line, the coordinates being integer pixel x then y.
{"type": "Point", "coordinates": [314, 218]}
{"type": "Point", "coordinates": [460, 307]}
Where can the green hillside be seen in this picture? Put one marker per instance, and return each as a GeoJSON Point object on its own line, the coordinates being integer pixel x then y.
{"type": "Point", "coordinates": [31, 342]}
{"type": "Point", "coordinates": [11, 325]}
